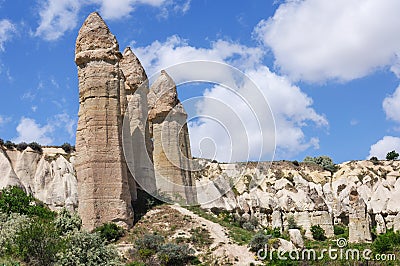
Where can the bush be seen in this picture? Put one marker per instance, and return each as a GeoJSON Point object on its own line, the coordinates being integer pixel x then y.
{"type": "Point", "coordinates": [83, 248]}
{"type": "Point", "coordinates": [248, 226]}
{"type": "Point", "coordinates": [10, 226]}
{"type": "Point", "coordinates": [22, 146]}
{"type": "Point", "coordinates": [338, 230]}
{"type": "Point", "coordinates": [292, 223]}
{"type": "Point", "coordinates": [68, 148]}
{"type": "Point", "coordinates": [9, 145]}
{"type": "Point", "coordinates": [393, 155]}
{"type": "Point", "coordinates": [318, 233]}
{"type": "Point", "coordinates": [172, 254]}
{"type": "Point", "coordinates": [323, 161]}
{"type": "Point", "coordinates": [38, 243]}
{"type": "Point", "coordinates": [67, 222]}
{"type": "Point", "coordinates": [386, 242]}
{"type": "Point", "coordinates": [296, 163]}
{"type": "Point", "coordinates": [36, 147]}
{"type": "Point", "coordinates": [1, 142]}
{"type": "Point", "coordinates": [15, 200]}
{"type": "Point", "coordinates": [150, 241]}
{"type": "Point", "coordinates": [110, 231]}
{"type": "Point", "coordinates": [275, 232]}
{"type": "Point", "coordinates": [259, 241]}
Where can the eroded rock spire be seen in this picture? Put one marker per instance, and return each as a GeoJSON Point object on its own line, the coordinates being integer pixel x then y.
{"type": "Point", "coordinates": [103, 188]}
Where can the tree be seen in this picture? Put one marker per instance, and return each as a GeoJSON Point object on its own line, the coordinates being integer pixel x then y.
{"type": "Point", "coordinates": [318, 233]}
{"type": "Point", "coordinates": [393, 155]}
{"type": "Point", "coordinates": [68, 148]}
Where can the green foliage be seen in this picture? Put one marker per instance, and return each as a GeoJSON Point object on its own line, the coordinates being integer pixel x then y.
{"type": "Point", "coordinates": [248, 226]}
{"type": "Point", "coordinates": [200, 236]}
{"type": "Point", "coordinates": [275, 232]}
{"type": "Point", "coordinates": [9, 145]}
{"type": "Point", "coordinates": [86, 249]}
{"type": "Point", "coordinates": [10, 226]}
{"type": "Point", "coordinates": [36, 147]}
{"type": "Point", "coordinates": [1, 142]}
{"type": "Point", "coordinates": [15, 200]}
{"type": "Point", "coordinates": [149, 241]}
{"type": "Point", "coordinates": [338, 230]}
{"type": "Point", "coordinates": [323, 161]}
{"type": "Point", "coordinates": [66, 222]}
{"type": "Point", "coordinates": [386, 242]}
{"type": "Point", "coordinates": [68, 148]}
{"type": "Point", "coordinates": [38, 243]}
{"type": "Point", "coordinates": [259, 241]}
{"type": "Point", "coordinates": [172, 254]}
{"type": "Point", "coordinates": [393, 155]}
{"type": "Point", "coordinates": [110, 231]}
{"type": "Point", "coordinates": [292, 224]}
{"type": "Point", "coordinates": [22, 146]}
{"type": "Point", "coordinates": [318, 233]}
{"type": "Point", "coordinates": [296, 163]}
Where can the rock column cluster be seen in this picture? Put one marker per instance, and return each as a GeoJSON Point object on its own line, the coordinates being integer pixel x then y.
{"type": "Point", "coordinates": [113, 142]}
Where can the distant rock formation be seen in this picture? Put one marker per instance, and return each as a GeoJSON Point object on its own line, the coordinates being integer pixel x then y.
{"type": "Point", "coordinates": [171, 155]}
{"type": "Point", "coordinates": [104, 194]}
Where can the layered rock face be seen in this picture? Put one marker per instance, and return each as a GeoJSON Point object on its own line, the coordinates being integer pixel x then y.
{"type": "Point", "coordinates": [138, 148]}
{"type": "Point", "coordinates": [104, 193]}
{"type": "Point", "coordinates": [171, 154]}
{"type": "Point", "coordinates": [49, 177]}
{"type": "Point", "coordinates": [361, 195]}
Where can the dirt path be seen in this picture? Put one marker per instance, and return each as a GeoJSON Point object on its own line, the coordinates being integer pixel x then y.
{"type": "Point", "coordinates": [222, 246]}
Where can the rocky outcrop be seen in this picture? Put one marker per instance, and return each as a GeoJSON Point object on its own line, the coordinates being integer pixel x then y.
{"type": "Point", "coordinates": [48, 176]}
{"type": "Point", "coordinates": [171, 154]}
{"type": "Point", "coordinates": [361, 194]}
{"type": "Point", "coordinates": [103, 189]}
{"type": "Point", "coordinates": [138, 149]}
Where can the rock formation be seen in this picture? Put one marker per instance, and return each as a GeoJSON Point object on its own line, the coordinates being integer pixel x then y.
{"type": "Point", "coordinates": [171, 154]}
{"type": "Point", "coordinates": [103, 188]}
{"type": "Point", "coordinates": [359, 222]}
{"type": "Point", "coordinates": [138, 151]}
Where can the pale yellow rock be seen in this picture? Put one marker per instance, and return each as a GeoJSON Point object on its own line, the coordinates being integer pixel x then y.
{"type": "Point", "coordinates": [104, 194]}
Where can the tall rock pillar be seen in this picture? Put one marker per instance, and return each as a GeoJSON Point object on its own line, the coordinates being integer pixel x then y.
{"type": "Point", "coordinates": [103, 188]}
{"type": "Point", "coordinates": [138, 149]}
{"type": "Point", "coordinates": [171, 154]}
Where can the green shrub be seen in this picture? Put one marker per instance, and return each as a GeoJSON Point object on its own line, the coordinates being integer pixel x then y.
{"type": "Point", "coordinates": [38, 243]}
{"type": "Point", "coordinates": [68, 148]}
{"type": "Point", "coordinates": [338, 230]}
{"type": "Point", "coordinates": [83, 248]}
{"type": "Point", "coordinates": [66, 221]}
{"type": "Point", "coordinates": [15, 200]}
{"type": "Point", "coordinates": [1, 142]}
{"type": "Point", "coordinates": [275, 232]}
{"type": "Point", "coordinates": [9, 145]}
{"type": "Point", "coordinates": [149, 241]}
{"type": "Point", "coordinates": [36, 147]}
{"type": "Point", "coordinates": [172, 254]}
{"type": "Point", "coordinates": [10, 226]}
{"type": "Point", "coordinates": [292, 224]}
{"type": "Point", "coordinates": [259, 241]}
{"type": "Point", "coordinates": [248, 226]}
{"type": "Point", "coordinates": [318, 233]}
{"type": "Point", "coordinates": [22, 146]}
{"type": "Point", "coordinates": [110, 231]}
{"type": "Point", "coordinates": [386, 242]}
{"type": "Point", "coordinates": [393, 155]}
{"type": "Point", "coordinates": [323, 161]}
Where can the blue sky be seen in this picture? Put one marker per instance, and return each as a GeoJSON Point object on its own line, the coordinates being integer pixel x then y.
{"type": "Point", "coordinates": [329, 69]}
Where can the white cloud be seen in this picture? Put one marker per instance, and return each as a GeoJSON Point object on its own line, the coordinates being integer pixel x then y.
{"type": "Point", "coordinates": [7, 29]}
{"type": "Point", "coordinates": [28, 130]}
{"type": "Point", "coordinates": [60, 16]}
{"type": "Point", "coordinates": [291, 107]}
{"type": "Point", "coordinates": [383, 146]}
{"type": "Point", "coordinates": [316, 40]}
{"type": "Point", "coordinates": [391, 106]}
{"type": "Point", "coordinates": [57, 17]}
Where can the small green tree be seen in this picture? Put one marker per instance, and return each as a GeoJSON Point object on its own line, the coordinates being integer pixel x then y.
{"type": "Point", "coordinates": [22, 146]}
{"type": "Point", "coordinates": [68, 148]}
{"type": "Point", "coordinates": [259, 241]}
{"type": "Point", "coordinates": [66, 222]}
{"type": "Point", "coordinates": [292, 224]}
{"type": "Point", "coordinates": [110, 231]}
{"type": "Point", "coordinates": [393, 155]}
{"type": "Point", "coordinates": [36, 147]}
{"type": "Point", "coordinates": [1, 142]}
{"type": "Point", "coordinates": [9, 145]}
{"type": "Point", "coordinates": [318, 233]}
{"type": "Point", "coordinates": [172, 254]}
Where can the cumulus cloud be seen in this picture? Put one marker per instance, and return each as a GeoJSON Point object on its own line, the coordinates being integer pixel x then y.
{"type": "Point", "coordinates": [57, 17]}
{"type": "Point", "coordinates": [292, 108]}
{"type": "Point", "coordinates": [383, 146]}
{"type": "Point", "coordinates": [60, 16]}
{"type": "Point", "coordinates": [7, 29]}
{"type": "Point", "coordinates": [391, 106]}
{"type": "Point", "coordinates": [341, 40]}
{"type": "Point", "coordinates": [29, 130]}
